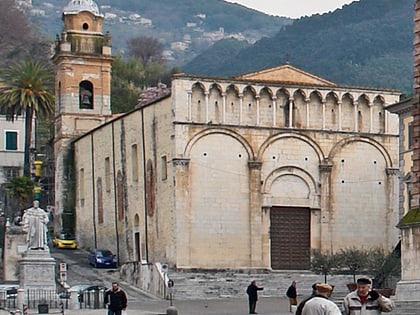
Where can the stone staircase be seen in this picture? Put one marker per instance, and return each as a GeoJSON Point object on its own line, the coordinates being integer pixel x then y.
{"type": "Point", "coordinates": [233, 283]}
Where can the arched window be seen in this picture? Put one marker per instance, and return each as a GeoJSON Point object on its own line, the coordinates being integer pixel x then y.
{"type": "Point", "coordinates": [85, 95]}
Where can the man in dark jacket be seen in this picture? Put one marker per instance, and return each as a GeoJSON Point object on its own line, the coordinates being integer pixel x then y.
{"type": "Point", "coordinates": [115, 299]}
{"type": "Point", "coordinates": [252, 292]}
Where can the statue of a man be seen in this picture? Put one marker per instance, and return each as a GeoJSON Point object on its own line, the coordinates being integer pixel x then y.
{"type": "Point", "coordinates": [35, 222]}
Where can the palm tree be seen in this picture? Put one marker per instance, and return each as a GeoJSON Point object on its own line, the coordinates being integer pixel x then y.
{"type": "Point", "coordinates": [26, 87]}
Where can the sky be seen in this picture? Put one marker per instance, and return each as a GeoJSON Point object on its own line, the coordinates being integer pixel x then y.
{"type": "Point", "coordinates": [293, 8]}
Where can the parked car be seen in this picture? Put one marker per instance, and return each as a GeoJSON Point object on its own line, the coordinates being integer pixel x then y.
{"type": "Point", "coordinates": [102, 258]}
{"type": "Point", "coordinates": [64, 240]}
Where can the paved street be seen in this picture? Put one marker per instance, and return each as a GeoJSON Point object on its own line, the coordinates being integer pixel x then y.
{"type": "Point", "coordinates": [79, 272]}
{"type": "Point", "coordinates": [267, 306]}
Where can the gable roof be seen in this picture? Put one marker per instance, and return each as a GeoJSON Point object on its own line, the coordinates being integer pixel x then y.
{"type": "Point", "coordinates": [286, 73]}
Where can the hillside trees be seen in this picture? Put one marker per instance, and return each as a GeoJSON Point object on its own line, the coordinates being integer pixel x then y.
{"type": "Point", "coordinates": [145, 68]}
{"type": "Point", "coordinates": [19, 40]}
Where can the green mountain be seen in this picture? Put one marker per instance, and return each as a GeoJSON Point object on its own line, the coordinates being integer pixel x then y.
{"type": "Point", "coordinates": [185, 27]}
{"type": "Point", "coordinates": [366, 43]}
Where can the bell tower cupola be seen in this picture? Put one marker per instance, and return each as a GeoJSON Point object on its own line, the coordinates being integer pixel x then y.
{"type": "Point", "coordinates": [82, 59]}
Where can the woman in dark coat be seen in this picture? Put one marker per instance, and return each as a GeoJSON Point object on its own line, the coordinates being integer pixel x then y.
{"type": "Point", "coordinates": [292, 295]}
{"type": "Point", "coordinates": [252, 292]}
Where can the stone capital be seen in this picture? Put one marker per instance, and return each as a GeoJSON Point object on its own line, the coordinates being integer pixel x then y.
{"type": "Point", "coordinates": [181, 162]}
{"type": "Point", "coordinates": [325, 168]}
{"type": "Point", "coordinates": [255, 165]}
{"type": "Point", "coordinates": [392, 171]}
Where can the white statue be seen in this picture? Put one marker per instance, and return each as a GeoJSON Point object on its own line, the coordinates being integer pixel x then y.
{"type": "Point", "coordinates": [35, 222]}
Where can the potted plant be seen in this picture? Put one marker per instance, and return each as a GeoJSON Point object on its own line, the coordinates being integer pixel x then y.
{"type": "Point", "coordinates": [353, 260]}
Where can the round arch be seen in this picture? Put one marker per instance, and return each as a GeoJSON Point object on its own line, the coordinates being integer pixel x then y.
{"type": "Point", "coordinates": [227, 132]}
{"type": "Point", "coordinates": [369, 141]}
{"type": "Point", "coordinates": [303, 138]}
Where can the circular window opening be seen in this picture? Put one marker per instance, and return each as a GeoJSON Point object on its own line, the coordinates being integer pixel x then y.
{"type": "Point", "coordinates": [85, 26]}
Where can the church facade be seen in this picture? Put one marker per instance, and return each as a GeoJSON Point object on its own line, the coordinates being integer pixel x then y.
{"type": "Point", "coordinates": [254, 171]}
{"type": "Point", "coordinates": [248, 172]}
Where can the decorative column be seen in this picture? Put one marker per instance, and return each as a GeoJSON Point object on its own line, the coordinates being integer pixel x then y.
{"type": "Point", "coordinates": [291, 112]}
{"type": "Point", "coordinates": [356, 116]}
{"type": "Point", "coordinates": [327, 215]}
{"type": "Point", "coordinates": [307, 101]}
{"type": "Point", "coordinates": [324, 105]}
{"type": "Point", "coordinates": [241, 101]}
{"type": "Point", "coordinates": [224, 107]}
{"type": "Point", "coordinates": [340, 119]}
{"type": "Point", "coordinates": [274, 98]}
{"type": "Point", "coordinates": [255, 215]}
{"type": "Point", "coordinates": [182, 211]}
{"type": "Point", "coordinates": [189, 105]}
{"type": "Point", "coordinates": [207, 95]}
{"type": "Point", "coordinates": [392, 213]}
{"type": "Point", "coordinates": [258, 109]}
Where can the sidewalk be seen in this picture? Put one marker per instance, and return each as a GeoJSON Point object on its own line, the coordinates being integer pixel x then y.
{"type": "Point", "coordinates": [227, 306]}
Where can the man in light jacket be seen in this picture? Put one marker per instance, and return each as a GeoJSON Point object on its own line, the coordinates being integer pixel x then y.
{"type": "Point", "coordinates": [365, 301]}
{"type": "Point", "coordinates": [320, 304]}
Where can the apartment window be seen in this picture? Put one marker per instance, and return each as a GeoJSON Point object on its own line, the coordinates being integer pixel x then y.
{"type": "Point", "coordinates": [11, 140]}
{"type": "Point", "coordinates": [164, 170]}
{"type": "Point", "coordinates": [10, 172]}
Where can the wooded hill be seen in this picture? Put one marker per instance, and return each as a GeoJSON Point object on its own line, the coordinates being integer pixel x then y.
{"type": "Point", "coordinates": [366, 43]}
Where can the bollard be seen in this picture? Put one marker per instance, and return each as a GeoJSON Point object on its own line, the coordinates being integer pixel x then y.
{"type": "Point", "coordinates": [171, 310]}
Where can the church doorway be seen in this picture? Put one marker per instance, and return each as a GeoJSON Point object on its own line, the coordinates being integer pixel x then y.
{"type": "Point", "coordinates": [290, 238]}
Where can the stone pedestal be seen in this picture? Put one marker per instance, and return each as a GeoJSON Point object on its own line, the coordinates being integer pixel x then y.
{"type": "Point", "coordinates": [37, 270]}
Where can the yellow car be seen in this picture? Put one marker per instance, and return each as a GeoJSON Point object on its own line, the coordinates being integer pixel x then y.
{"type": "Point", "coordinates": [64, 240]}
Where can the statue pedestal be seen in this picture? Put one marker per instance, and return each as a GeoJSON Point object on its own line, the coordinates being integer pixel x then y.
{"type": "Point", "coordinates": [37, 270]}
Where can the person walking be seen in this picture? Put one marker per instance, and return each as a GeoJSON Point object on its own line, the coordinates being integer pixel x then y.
{"type": "Point", "coordinates": [320, 303]}
{"type": "Point", "coordinates": [292, 295]}
{"type": "Point", "coordinates": [302, 304]}
{"type": "Point", "coordinates": [115, 300]}
{"type": "Point", "coordinates": [252, 292]}
{"type": "Point", "coordinates": [364, 301]}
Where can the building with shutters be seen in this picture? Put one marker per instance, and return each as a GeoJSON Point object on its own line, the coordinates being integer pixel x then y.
{"type": "Point", "coordinates": [253, 171]}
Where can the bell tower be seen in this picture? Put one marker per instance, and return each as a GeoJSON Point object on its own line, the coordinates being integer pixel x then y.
{"type": "Point", "coordinates": [82, 59]}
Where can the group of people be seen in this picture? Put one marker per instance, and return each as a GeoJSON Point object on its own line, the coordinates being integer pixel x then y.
{"type": "Point", "coordinates": [362, 301]}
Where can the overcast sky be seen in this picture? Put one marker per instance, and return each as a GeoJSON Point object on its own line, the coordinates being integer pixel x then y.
{"type": "Point", "coordinates": [293, 8]}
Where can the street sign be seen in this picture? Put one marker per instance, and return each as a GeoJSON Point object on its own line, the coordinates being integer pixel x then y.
{"type": "Point", "coordinates": [63, 267]}
{"type": "Point", "coordinates": [63, 276]}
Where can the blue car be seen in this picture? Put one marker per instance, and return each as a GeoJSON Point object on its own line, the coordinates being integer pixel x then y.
{"type": "Point", "coordinates": [102, 258]}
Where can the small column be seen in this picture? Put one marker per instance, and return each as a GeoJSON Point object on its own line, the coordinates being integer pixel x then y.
{"type": "Point", "coordinates": [207, 96]}
{"type": "Point", "coordinates": [324, 105]}
{"type": "Point", "coordinates": [291, 103]}
{"type": "Point", "coordinates": [356, 116]}
{"type": "Point", "coordinates": [258, 109]}
{"type": "Point", "coordinates": [370, 117]}
{"type": "Point", "coordinates": [189, 93]}
{"type": "Point", "coordinates": [241, 101]}
{"type": "Point", "coordinates": [224, 108]}
{"type": "Point", "coordinates": [255, 214]}
{"type": "Point", "coordinates": [274, 111]}
{"type": "Point", "coordinates": [307, 101]}
{"type": "Point", "coordinates": [340, 119]}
